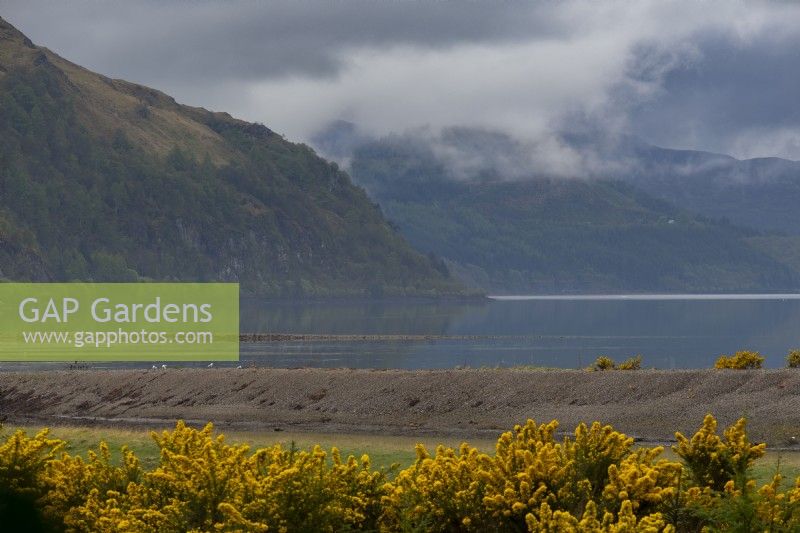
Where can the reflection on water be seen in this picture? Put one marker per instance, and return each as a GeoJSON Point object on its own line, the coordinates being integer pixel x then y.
{"type": "Point", "coordinates": [402, 317]}
{"type": "Point", "coordinates": [671, 331]}
{"type": "Point", "coordinates": [568, 332]}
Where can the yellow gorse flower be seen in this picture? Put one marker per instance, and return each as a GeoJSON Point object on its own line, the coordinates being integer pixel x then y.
{"type": "Point", "coordinates": [742, 360]}
{"type": "Point", "coordinates": [716, 460]}
{"type": "Point", "coordinates": [593, 480]}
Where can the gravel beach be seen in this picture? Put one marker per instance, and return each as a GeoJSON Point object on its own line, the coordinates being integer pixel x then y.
{"type": "Point", "coordinates": [648, 404]}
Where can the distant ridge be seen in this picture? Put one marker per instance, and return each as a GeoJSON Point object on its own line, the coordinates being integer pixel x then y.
{"type": "Point", "coordinates": [539, 234]}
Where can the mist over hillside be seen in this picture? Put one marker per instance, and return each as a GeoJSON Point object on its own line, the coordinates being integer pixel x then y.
{"type": "Point", "coordinates": [760, 193]}
{"type": "Point", "coordinates": [508, 221]}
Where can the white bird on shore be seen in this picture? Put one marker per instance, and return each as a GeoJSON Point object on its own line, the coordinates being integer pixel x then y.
{"type": "Point", "coordinates": [240, 366]}
{"type": "Point", "coordinates": [163, 367]}
{"type": "Point", "coordinates": [155, 367]}
{"type": "Point", "coordinates": [210, 365]}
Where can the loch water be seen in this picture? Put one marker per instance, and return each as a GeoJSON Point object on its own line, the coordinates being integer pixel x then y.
{"type": "Point", "coordinates": [669, 331]}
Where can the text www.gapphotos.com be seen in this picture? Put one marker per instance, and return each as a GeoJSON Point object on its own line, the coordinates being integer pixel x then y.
{"type": "Point", "coordinates": [107, 339]}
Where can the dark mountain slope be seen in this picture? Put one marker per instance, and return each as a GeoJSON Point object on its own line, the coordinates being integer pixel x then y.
{"type": "Point", "coordinates": [107, 180]}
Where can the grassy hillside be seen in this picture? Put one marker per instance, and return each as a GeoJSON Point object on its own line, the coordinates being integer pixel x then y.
{"type": "Point", "coordinates": [102, 179]}
{"type": "Point", "coordinates": [559, 235]}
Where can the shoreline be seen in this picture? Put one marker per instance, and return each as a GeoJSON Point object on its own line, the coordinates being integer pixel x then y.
{"type": "Point", "coordinates": [649, 405]}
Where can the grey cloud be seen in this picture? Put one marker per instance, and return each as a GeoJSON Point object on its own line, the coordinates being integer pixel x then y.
{"type": "Point", "coordinates": [727, 91]}
{"type": "Point", "coordinates": [714, 75]}
{"type": "Point", "coordinates": [244, 39]}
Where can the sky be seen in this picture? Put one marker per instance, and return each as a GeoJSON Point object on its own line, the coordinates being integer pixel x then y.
{"type": "Point", "coordinates": [722, 76]}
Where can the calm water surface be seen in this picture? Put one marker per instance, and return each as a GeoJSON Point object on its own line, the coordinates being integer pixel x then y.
{"type": "Point", "coordinates": [669, 331]}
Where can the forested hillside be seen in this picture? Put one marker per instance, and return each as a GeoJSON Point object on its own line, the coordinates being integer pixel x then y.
{"type": "Point", "coordinates": [761, 193]}
{"type": "Point", "coordinates": [541, 234]}
{"type": "Point", "coordinates": [106, 180]}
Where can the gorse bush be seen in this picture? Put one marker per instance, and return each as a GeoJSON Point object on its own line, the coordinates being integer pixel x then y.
{"type": "Point", "coordinates": [742, 360]}
{"type": "Point", "coordinates": [713, 460]}
{"type": "Point", "coordinates": [634, 363]}
{"type": "Point", "coordinates": [594, 480]}
{"type": "Point", "coordinates": [793, 359]}
{"type": "Point", "coordinates": [24, 484]}
{"type": "Point", "coordinates": [606, 363]}
{"type": "Point", "coordinates": [204, 484]}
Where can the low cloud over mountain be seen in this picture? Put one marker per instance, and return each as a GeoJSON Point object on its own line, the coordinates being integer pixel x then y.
{"type": "Point", "coordinates": [718, 76]}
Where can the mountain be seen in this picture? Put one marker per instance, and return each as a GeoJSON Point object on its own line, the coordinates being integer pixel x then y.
{"type": "Point", "coordinates": [545, 234]}
{"type": "Point", "coordinates": [761, 193]}
{"type": "Point", "coordinates": [106, 180]}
